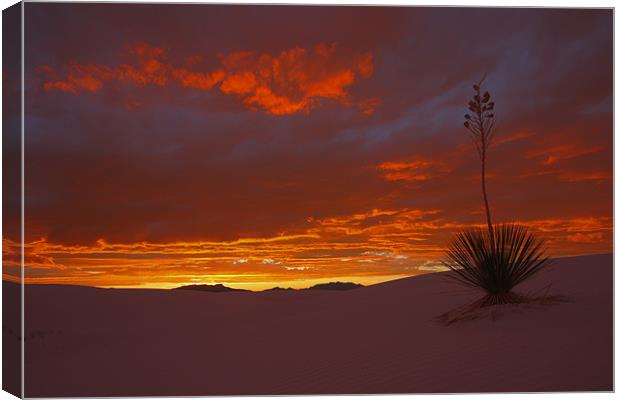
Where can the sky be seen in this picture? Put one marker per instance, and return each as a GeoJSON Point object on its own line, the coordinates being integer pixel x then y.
{"type": "Point", "coordinates": [262, 146]}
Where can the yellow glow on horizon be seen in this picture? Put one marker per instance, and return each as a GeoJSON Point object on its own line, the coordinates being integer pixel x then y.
{"type": "Point", "coordinates": [263, 285]}
{"type": "Point", "coordinates": [367, 248]}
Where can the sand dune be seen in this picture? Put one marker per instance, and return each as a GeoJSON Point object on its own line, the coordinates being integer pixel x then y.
{"type": "Point", "coordinates": [378, 339]}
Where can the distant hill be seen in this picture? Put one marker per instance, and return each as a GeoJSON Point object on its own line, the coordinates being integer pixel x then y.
{"type": "Point", "coordinates": [320, 286]}
{"type": "Point", "coordinates": [210, 288]}
{"type": "Point", "coordinates": [279, 289]}
{"type": "Point", "coordinates": [336, 286]}
{"type": "Point", "coordinates": [219, 288]}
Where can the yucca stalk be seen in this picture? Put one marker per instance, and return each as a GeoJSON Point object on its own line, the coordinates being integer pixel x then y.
{"type": "Point", "coordinates": [481, 125]}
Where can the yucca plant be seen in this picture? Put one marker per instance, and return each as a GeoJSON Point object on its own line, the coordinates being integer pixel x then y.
{"type": "Point", "coordinates": [500, 257]}
{"type": "Point", "coordinates": [496, 261]}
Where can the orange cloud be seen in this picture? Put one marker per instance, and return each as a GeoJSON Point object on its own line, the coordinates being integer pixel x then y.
{"type": "Point", "coordinates": [198, 80]}
{"type": "Point", "coordinates": [293, 81]}
{"type": "Point", "coordinates": [596, 176]}
{"type": "Point", "coordinates": [150, 69]}
{"type": "Point", "coordinates": [586, 237]}
{"type": "Point", "coordinates": [81, 77]}
{"type": "Point", "coordinates": [416, 170]}
{"type": "Point", "coordinates": [566, 151]}
{"type": "Point", "coordinates": [512, 137]}
{"type": "Point", "coordinates": [572, 176]}
{"type": "Point", "coordinates": [265, 98]}
{"type": "Point", "coordinates": [578, 224]}
{"type": "Point", "coordinates": [240, 83]}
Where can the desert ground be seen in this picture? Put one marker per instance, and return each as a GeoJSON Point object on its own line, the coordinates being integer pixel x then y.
{"type": "Point", "coordinates": [384, 338]}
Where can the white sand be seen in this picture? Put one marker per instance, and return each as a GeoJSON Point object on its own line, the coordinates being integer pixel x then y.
{"type": "Point", "coordinates": [378, 339]}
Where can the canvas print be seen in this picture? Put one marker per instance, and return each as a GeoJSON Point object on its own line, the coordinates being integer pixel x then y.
{"type": "Point", "coordinates": [209, 200]}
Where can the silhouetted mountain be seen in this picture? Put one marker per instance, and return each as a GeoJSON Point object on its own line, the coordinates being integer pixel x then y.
{"type": "Point", "coordinates": [336, 286]}
{"type": "Point", "coordinates": [210, 288]}
{"type": "Point", "coordinates": [219, 288]}
{"type": "Point", "coordinates": [279, 289]}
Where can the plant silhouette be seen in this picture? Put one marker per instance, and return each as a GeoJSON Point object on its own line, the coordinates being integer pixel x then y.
{"type": "Point", "coordinates": [502, 256]}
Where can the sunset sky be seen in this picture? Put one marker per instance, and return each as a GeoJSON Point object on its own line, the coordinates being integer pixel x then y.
{"type": "Point", "coordinates": [261, 146]}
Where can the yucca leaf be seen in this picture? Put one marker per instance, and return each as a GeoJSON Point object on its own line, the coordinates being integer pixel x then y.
{"type": "Point", "coordinates": [495, 261]}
